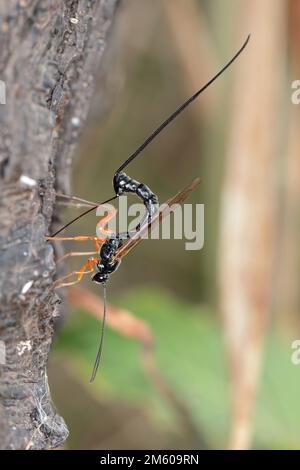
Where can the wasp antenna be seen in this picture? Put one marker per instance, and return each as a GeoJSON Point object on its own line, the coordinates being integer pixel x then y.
{"type": "Point", "coordinates": [99, 353]}
{"type": "Point", "coordinates": [167, 121]}
{"type": "Point", "coordinates": [75, 200]}
{"type": "Point", "coordinates": [81, 215]}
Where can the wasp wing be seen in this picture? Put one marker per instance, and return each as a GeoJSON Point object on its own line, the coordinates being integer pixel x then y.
{"type": "Point", "coordinates": [163, 212]}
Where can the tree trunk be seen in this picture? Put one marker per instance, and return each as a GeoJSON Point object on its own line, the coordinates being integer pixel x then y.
{"type": "Point", "coordinates": [50, 53]}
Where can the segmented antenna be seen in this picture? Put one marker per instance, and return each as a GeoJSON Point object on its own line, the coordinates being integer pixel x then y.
{"type": "Point", "coordinates": [180, 109]}
{"type": "Point", "coordinates": [99, 353]}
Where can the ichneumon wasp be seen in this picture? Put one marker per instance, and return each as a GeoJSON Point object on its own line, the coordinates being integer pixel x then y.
{"type": "Point", "coordinates": [111, 248]}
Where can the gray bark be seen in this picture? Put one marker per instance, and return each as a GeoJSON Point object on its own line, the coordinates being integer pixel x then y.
{"type": "Point", "coordinates": [50, 53]}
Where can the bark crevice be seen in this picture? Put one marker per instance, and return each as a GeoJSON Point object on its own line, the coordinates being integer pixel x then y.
{"type": "Point", "coordinates": [51, 52]}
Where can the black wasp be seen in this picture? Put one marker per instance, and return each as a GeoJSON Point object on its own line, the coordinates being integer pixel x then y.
{"type": "Point", "coordinates": [112, 248]}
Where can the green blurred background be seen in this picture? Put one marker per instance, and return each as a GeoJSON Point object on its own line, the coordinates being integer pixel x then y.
{"type": "Point", "coordinates": [176, 393]}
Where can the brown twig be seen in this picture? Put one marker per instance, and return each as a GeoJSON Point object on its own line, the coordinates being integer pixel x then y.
{"type": "Point", "coordinates": [122, 321]}
{"type": "Point", "coordinates": [248, 221]}
{"type": "Point", "coordinates": [128, 325]}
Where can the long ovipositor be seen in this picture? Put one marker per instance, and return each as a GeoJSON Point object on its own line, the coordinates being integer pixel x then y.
{"type": "Point", "coordinates": [123, 183]}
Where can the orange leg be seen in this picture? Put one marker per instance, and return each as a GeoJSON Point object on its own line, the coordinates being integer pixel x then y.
{"type": "Point", "coordinates": [79, 238]}
{"type": "Point", "coordinates": [76, 253]}
{"type": "Point", "coordinates": [87, 268]}
{"type": "Point", "coordinates": [101, 224]}
{"type": "Point", "coordinates": [96, 240]}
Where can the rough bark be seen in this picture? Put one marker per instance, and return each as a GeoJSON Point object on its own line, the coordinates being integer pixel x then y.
{"type": "Point", "coordinates": [50, 53]}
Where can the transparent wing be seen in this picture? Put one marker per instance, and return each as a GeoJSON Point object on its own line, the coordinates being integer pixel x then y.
{"type": "Point", "coordinates": [163, 212]}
